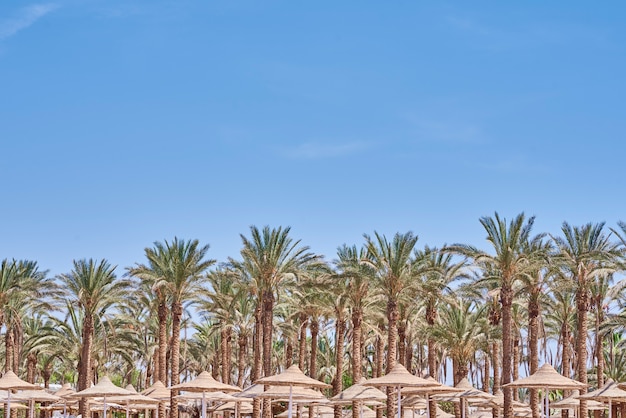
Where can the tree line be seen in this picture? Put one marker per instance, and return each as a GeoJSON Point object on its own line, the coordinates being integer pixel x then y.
{"type": "Point", "coordinates": [488, 313]}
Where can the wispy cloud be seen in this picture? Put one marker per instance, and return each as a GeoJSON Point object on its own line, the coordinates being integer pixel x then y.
{"type": "Point", "coordinates": [316, 150]}
{"type": "Point", "coordinates": [526, 34]}
{"type": "Point", "coordinates": [25, 17]}
{"type": "Point", "coordinates": [451, 131]}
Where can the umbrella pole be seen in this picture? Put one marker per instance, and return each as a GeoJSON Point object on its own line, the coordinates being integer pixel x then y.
{"type": "Point", "coordinates": [104, 411]}
{"type": "Point", "coordinates": [290, 401]}
{"type": "Point", "coordinates": [399, 406]}
{"type": "Point", "coordinates": [127, 407]}
{"type": "Point", "coordinates": [203, 405]}
{"type": "Point", "coordinates": [9, 403]}
{"type": "Point", "coordinates": [610, 409]}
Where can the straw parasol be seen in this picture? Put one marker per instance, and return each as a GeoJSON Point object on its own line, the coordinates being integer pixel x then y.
{"type": "Point", "coordinates": [250, 392]}
{"type": "Point", "coordinates": [400, 377]}
{"type": "Point", "coordinates": [466, 392]}
{"type": "Point", "coordinates": [364, 395]}
{"type": "Point", "coordinates": [298, 394]}
{"type": "Point", "coordinates": [103, 389]}
{"type": "Point", "coordinates": [210, 396]}
{"type": "Point", "coordinates": [134, 398]}
{"type": "Point", "coordinates": [204, 383]}
{"type": "Point", "coordinates": [10, 381]}
{"type": "Point", "coordinates": [291, 377]}
{"type": "Point", "coordinates": [65, 392]}
{"type": "Point", "coordinates": [158, 391]}
{"type": "Point", "coordinates": [546, 377]}
{"type": "Point", "coordinates": [572, 402]}
{"type": "Point", "coordinates": [359, 392]}
{"type": "Point", "coordinates": [607, 393]}
{"type": "Point", "coordinates": [32, 396]}
{"type": "Point", "coordinates": [322, 411]}
{"type": "Point", "coordinates": [244, 408]}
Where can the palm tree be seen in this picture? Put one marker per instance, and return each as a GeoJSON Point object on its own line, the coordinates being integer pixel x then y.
{"type": "Point", "coordinates": [360, 296]}
{"type": "Point", "coordinates": [509, 262]}
{"type": "Point", "coordinates": [533, 286]}
{"type": "Point", "coordinates": [22, 287]}
{"type": "Point", "coordinates": [177, 270]}
{"type": "Point", "coordinates": [394, 271]}
{"type": "Point", "coordinates": [93, 287]}
{"type": "Point", "coordinates": [439, 272]}
{"type": "Point", "coordinates": [271, 258]}
{"type": "Point", "coordinates": [585, 253]}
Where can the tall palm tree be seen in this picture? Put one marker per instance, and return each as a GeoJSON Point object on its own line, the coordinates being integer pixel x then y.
{"type": "Point", "coordinates": [177, 269]}
{"type": "Point", "coordinates": [93, 287]}
{"type": "Point", "coordinates": [271, 258]}
{"type": "Point", "coordinates": [585, 253]}
{"type": "Point", "coordinates": [509, 262]}
{"type": "Point", "coordinates": [393, 264]}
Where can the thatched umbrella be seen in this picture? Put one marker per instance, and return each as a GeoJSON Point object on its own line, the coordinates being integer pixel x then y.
{"type": "Point", "coordinates": [65, 392]}
{"type": "Point", "coordinates": [399, 377]}
{"type": "Point", "coordinates": [204, 383]}
{"type": "Point", "coordinates": [103, 389]}
{"type": "Point", "coordinates": [546, 378]}
{"type": "Point", "coordinates": [291, 377]}
{"type": "Point", "coordinates": [134, 398]}
{"type": "Point", "coordinates": [364, 395]}
{"type": "Point", "coordinates": [466, 392]}
{"type": "Point", "coordinates": [32, 396]}
{"type": "Point", "coordinates": [243, 407]}
{"type": "Point", "coordinates": [608, 393]}
{"type": "Point", "coordinates": [158, 391]}
{"type": "Point", "coordinates": [9, 381]}
{"type": "Point", "coordinates": [572, 402]}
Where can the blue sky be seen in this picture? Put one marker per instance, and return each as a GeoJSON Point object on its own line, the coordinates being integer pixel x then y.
{"type": "Point", "coordinates": [128, 122]}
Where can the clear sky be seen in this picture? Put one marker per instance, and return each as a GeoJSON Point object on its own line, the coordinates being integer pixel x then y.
{"type": "Point", "coordinates": [128, 122]}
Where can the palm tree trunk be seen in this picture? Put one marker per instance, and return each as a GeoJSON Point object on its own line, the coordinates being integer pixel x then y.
{"type": "Point", "coordinates": [380, 348]}
{"type": "Point", "coordinates": [302, 341]}
{"type": "Point", "coordinates": [84, 371]}
{"type": "Point", "coordinates": [241, 359]}
{"type": "Point", "coordinates": [225, 343]}
{"type": "Point", "coordinates": [506, 299]}
{"type": "Point", "coordinates": [289, 352]}
{"type": "Point", "coordinates": [31, 366]}
{"type": "Point", "coordinates": [315, 329]}
{"type": "Point", "coordinates": [599, 348]}
{"type": "Point", "coordinates": [9, 349]}
{"type": "Point", "coordinates": [495, 360]}
{"type": "Point", "coordinates": [533, 348]}
{"type": "Point", "coordinates": [340, 326]}
{"type": "Point", "coordinates": [163, 341]}
{"type": "Point", "coordinates": [357, 367]}
{"type": "Point", "coordinates": [486, 370]}
{"type": "Point", "coordinates": [402, 343]}
{"type": "Point", "coordinates": [582, 306]}
{"type": "Point", "coordinates": [392, 337]}
{"type": "Point", "coordinates": [268, 312]}
{"type": "Point", "coordinates": [566, 358]}
{"type": "Point", "coordinates": [516, 362]}
{"type": "Point", "coordinates": [257, 338]}
{"type": "Point", "coordinates": [177, 314]}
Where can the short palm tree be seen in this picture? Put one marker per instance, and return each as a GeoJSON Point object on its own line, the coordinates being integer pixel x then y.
{"type": "Point", "coordinates": [93, 287]}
